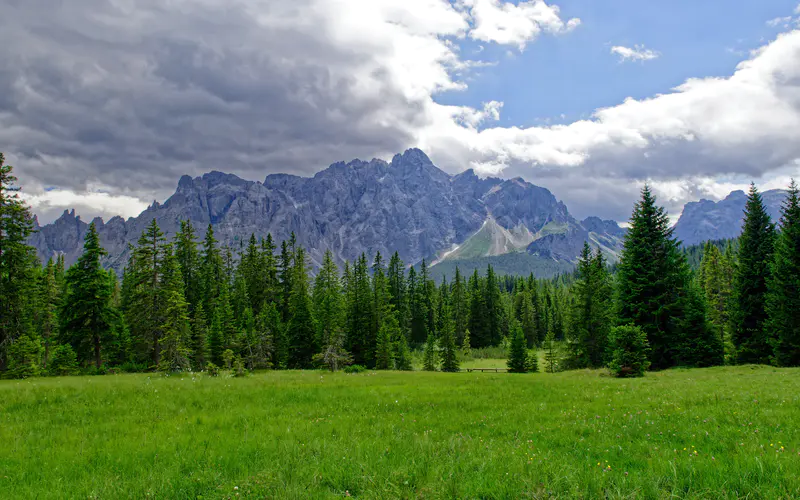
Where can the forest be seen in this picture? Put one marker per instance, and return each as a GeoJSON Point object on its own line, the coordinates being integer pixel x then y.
{"type": "Point", "coordinates": [187, 303]}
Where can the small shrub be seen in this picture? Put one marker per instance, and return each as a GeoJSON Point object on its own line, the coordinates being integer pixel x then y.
{"type": "Point", "coordinates": [24, 356]}
{"type": "Point", "coordinates": [533, 361]}
{"type": "Point", "coordinates": [629, 350]}
{"type": "Point", "coordinates": [354, 369]}
{"type": "Point", "coordinates": [227, 359]}
{"type": "Point", "coordinates": [63, 361]}
{"type": "Point", "coordinates": [212, 370]}
{"type": "Point", "coordinates": [238, 367]}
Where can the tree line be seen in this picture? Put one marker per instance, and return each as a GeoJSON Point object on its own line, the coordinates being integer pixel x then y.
{"type": "Point", "coordinates": [189, 303]}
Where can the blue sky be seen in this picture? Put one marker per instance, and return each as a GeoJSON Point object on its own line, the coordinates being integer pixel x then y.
{"type": "Point", "coordinates": [574, 74]}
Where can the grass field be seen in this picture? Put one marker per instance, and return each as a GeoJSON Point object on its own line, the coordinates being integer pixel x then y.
{"type": "Point", "coordinates": [712, 433]}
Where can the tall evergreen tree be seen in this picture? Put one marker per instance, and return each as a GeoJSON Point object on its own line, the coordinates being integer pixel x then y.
{"type": "Point", "coordinates": [328, 301]}
{"type": "Point", "coordinates": [361, 341]}
{"type": "Point", "coordinates": [200, 354]}
{"type": "Point", "coordinates": [783, 297]}
{"type": "Point", "coordinates": [87, 316]}
{"type": "Point", "coordinates": [398, 293]}
{"type": "Point", "coordinates": [447, 339]}
{"type": "Point", "coordinates": [144, 306]}
{"type": "Point", "coordinates": [478, 316]}
{"type": "Point", "coordinates": [188, 258]}
{"type": "Point", "coordinates": [49, 302]}
{"type": "Point", "coordinates": [430, 355]}
{"type": "Point", "coordinates": [285, 274]}
{"type": "Point", "coordinates": [211, 275]}
{"type": "Point", "coordinates": [460, 302]}
{"type": "Point", "coordinates": [591, 319]}
{"type": "Point", "coordinates": [517, 350]}
{"type": "Point", "coordinates": [175, 341]}
{"type": "Point", "coordinates": [749, 313]}
{"type": "Point", "coordinates": [418, 308]}
{"type": "Point", "coordinates": [301, 331]}
{"type": "Point", "coordinates": [17, 263]}
{"type": "Point", "coordinates": [715, 277]}
{"type": "Point", "coordinates": [652, 282]}
{"type": "Point", "coordinates": [270, 269]}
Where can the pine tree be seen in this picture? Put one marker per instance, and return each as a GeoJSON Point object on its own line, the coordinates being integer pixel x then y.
{"type": "Point", "coordinates": [144, 304]}
{"type": "Point", "coordinates": [430, 356]}
{"type": "Point", "coordinates": [478, 315]}
{"type": "Point", "coordinates": [401, 352]}
{"type": "Point", "coordinates": [749, 314]}
{"type": "Point", "coordinates": [360, 339]}
{"type": "Point", "coordinates": [211, 275]}
{"type": "Point", "coordinates": [328, 300]}
{"type": "Point", "coordinates": [590, 313]}
{"type": "Point", "coordinates": [17, 263]}
{"type": "Point", "coordinates": [252, 271]}
{"type": "Point", "coordinates": [301, 330]}
{"type": "Point", "coordinates": [381, 299]}
{"type": "Point", "coordinates": [87, 315]}
{"type": "Point", "coordinates": [715, 277]}
{"type": "Point", "coordinates": [24, 357]}
{"type": "Point", "coordinates": [552, 355]}
{"type": "Point", "coordinates": [285, 273]}
{"type": "Point", "coordinates": [447, 339]}
{"type": "Point", "coordinates": [200, 355]}
{"type": "Point", "coordinates": [176, 337]}
{"type": "Point", "coordinates": [189, 262]}
{"type": "Point", "coordinates": [466, 348]}
{"type": "Point", "coordinates": [517, 350]}
{"type": "Point", "coordinates": [493, 308]}
{"type": "Point", "coordinates": [460, 306]}
{"type": "Point", "coordinates": [63, 361]}
{"type": "Point", "coordinates": [652, 282]}
{"type": "Point", "coordinates": [383, 349]}
{"type": "Point", "coordinates": [268, 330]}
{"type": "Point", "coordinates": [629, 348]}
{"type": "Point", "coordinates": [418, 309]}
{"type": "Point", "coordinates": [216, 344]}
{"type": "Point", "coordinates": [783, 297]}
{"type": "Point", "coordinates": [398, 293]}
{"type": "Point", "coordinates": [697, 344]}
{"type": "Point", "coordinates": [49, 301]}
{"type": "Point", "coordinates": [270, 269]}
{"type": "Point", "coordinates": [334, 355]}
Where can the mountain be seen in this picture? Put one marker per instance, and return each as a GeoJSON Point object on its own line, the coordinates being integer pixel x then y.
{"type": "Point", "coordinates": [708, 220]}
{"type": "Point", "coordinates": [406, 205]}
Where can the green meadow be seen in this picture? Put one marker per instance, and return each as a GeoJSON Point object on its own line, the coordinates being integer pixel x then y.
{"type": "Point", "coordinates": [729, 432]}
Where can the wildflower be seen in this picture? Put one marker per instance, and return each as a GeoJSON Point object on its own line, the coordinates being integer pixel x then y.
{"type": "Point", "coordinates": [235, 488]}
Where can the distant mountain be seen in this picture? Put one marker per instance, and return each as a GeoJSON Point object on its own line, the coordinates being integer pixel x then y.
{"type": "Point", "coordinates": [708, 220]}
{"type": "Point", "coordinates": [407, 205]}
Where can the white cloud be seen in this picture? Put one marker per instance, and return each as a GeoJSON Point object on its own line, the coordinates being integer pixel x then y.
{"type": "Point", "coordinates": [295, 85]}
{"type": "Point", "coordinates": [779, 21]}
{"type": "Point", "coordinates": [90, 203]}
{"type": "Point", "coordinates": [637, 53]}
{"type": "Point", "coordinates": [509, 24]}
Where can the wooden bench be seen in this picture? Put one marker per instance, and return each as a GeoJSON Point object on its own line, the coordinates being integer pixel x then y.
{"type": "Point", "coordinates": [496, 370]}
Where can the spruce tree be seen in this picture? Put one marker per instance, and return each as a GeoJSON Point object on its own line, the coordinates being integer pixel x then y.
{"type": "Point", "coordinates": [285, 273]}
{"type": "Point", "coordinates": [517, 350]}
{"type": "Point", "coordinates": [175, 340]}
{"type": "Point", "coordinates": [49, 302]}
{"type": "Point", "coordinates": [447, 340]}
{"type": "Point", "coordinates": [401, 353]}
{"type": "Point", "coordinates": [383, 349]}
{"type": "Point", "coordinates": [270, 269]}
{"type": "Point", "coordinates": [398, 293]}
{"type": "Point", "coordinates": [430, 356]}
{"type": "Point", "coordinates": [460, 308]}
{"type": "Point", "coordinates": [24, 357]}
{"type": "Point", "coordinates": [494, 311]}
{"type": "Point", "coordinates": [301, 330]}
{"type": "Point", "coordinates": [552, 354]}
{"type": "Point", "coordinates": [749, 313]}
{"type": "Point", "coordinates": [629, 349]}
{"type": "Point", "coordinates": [144, 305]}
{"type": "Point", "coordinates": [268, 328]}
{"type": "Point", "coordinates": [418, 308]}
{"type": "Point", "coordinates": [715, 276]}
{"type": "Point", "coordinates": [200, 354]}
{"type": "Point", "coordinates": [87, 316]}
{"type": "Point", "coordinates": [652, 281]}
{"type": "Point", "coordinates": [216, 344]}
{"type": "Point", "coordinates": [328, 300]}
{"type": "Point", "coordinates": [466, 348]}
{"type": "Point", "coordinates": [590, 312]}
{"type": "Point", "coordinates": [17, 263]}
{"type": "Point", "coordinates": [188, 258]}
{"type": "Point", "coordinates": [211, 275]}
{"type": "Point", "coordinates": [783, 297]}
{"type": "Point", "coordinates": [478, 316]}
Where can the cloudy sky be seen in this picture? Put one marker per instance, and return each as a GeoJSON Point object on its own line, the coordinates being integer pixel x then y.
{"type": "Point", "coordinates": [105, 103]}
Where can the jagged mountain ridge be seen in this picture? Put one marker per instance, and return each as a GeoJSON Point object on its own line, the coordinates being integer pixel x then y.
{"type": "Point", "coordinates": [709, 220]}
{"type": "Point", "coordinates": [406, 205]}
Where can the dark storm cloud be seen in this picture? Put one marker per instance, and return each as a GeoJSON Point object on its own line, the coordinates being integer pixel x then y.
{"type": "Point", "coordinates": [132, 94]}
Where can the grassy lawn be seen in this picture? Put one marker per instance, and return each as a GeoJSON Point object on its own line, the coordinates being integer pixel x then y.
{"type": "Point", "coordinates": [712, 433]}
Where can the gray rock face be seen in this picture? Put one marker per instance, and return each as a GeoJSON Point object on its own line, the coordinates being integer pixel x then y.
{"type": "Point", "coordinates": [707, 220]}
{"type": "Point", "coordinates": [407, 205]}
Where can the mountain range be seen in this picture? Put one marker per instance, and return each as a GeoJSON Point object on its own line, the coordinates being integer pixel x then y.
{"type": "Point", "coordinates": [708, 220]}
{"type": "Point", "coordinates": [407, 205]}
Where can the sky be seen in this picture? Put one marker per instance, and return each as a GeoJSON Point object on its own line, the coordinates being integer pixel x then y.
{"type": "Point", "coordinates": [104, 104]}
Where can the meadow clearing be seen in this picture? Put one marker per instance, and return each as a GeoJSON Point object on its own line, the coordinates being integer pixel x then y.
{"type": "Point", "coordinates": [727, 432]}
